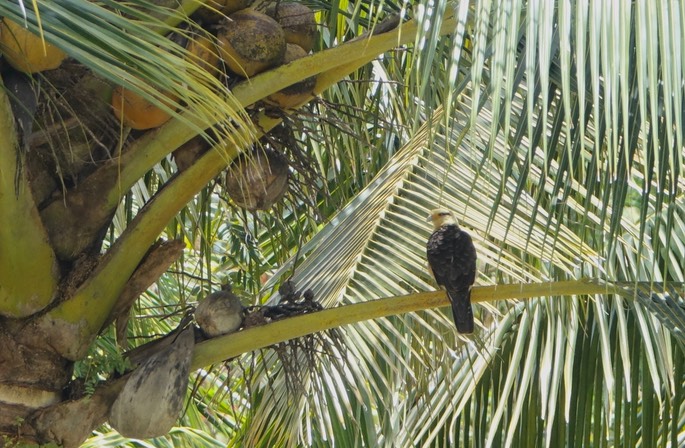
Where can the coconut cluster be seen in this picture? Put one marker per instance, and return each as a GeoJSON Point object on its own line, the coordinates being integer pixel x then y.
{"type": "Point", "coordinates": [250, 42]}
{"type": "Point", "coordinates": [231, 41]}
{"type": "Point", "coordinates": [237, 42]}
{"type": "Point", "coordinates": [247, 42]}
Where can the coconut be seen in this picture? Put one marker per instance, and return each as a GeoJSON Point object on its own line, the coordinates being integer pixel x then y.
{"type": "Point", "coordinates": [26, 51]}
{"type": "Point", "coordinates": [297, 93]}
{"type": "Point", "coordinates": [298, 23]}
{"type": "Point", "coordinates": [219, 313]}
{"type": "Point", "coordinates": [215, 10]}
{"type": "Point", "coordinates": [259, 181]}
{"type": "Point", "coordinates": [251, 42]}
{"type": "Point", "coordinates": [204, 52]}
{"type": "Point", "coordinates": [137, 112]}
{"type": "Point", "coordinates": [152, 398]}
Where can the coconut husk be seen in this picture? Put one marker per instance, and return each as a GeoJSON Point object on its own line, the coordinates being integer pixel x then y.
{"type": "Point", "coordinates": [259, 180]}
{"type": "Point", "coordinates": [298, 23]}
{"type": "Point", "coordinates": [152, 399]}
{"type": "Point", "coordinates": [251, 42]}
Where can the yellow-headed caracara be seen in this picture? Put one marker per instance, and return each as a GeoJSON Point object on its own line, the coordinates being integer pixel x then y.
{"type": "Point", "coordinates": [452, 261]}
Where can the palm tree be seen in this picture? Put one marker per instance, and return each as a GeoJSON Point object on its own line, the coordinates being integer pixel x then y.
{"type": "Point", "coordinates": [554, 133]}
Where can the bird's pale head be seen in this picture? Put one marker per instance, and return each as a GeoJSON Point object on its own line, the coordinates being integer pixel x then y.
{"type": "Point", "coordinates": [441, 217]}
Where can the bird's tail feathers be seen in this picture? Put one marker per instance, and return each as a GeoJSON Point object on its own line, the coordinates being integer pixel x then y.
{"type": "Point", "coordinates": [461, 310]}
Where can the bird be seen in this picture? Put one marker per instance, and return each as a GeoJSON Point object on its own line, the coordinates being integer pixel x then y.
{"type": "Point", "coordinates": [452, 261]}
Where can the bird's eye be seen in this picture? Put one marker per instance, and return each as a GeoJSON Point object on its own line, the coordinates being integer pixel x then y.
{"type": "Point", "coordinates": [444, 213]}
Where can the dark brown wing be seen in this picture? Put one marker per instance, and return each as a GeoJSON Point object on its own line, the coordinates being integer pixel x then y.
{"type": "Point", "coordinates": [452, 258]}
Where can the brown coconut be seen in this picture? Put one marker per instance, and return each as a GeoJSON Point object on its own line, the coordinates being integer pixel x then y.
{"type": "Point", "coordinates": [137, 112]}
{"type": "Point", "coordinates": [26, 51]}
{"type": "Point", "coordinates": [152, 398]}
{"type": "Point", "coordinates": [299, 92]}
{"type": "Point", "coordinates": [258, 181]}
{"type": "Point", "coordinates": [204, 52]}
{"type": "Point", "coordinates": [215, 10]}
{"type": "Point", "coordinates": [298, 23]}
{"type": "Point", "coordinates": [251, 42]}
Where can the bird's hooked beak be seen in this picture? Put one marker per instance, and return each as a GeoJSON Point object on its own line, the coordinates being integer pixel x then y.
{"type": "Point", "coordinates": [440, 217]}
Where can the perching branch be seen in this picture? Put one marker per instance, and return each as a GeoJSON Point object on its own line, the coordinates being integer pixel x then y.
{"type": "Point", "coordinates": [225, 347]}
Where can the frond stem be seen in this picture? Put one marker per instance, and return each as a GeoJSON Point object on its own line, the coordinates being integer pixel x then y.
{"type": "Point", "coordinates": [235, 344]}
